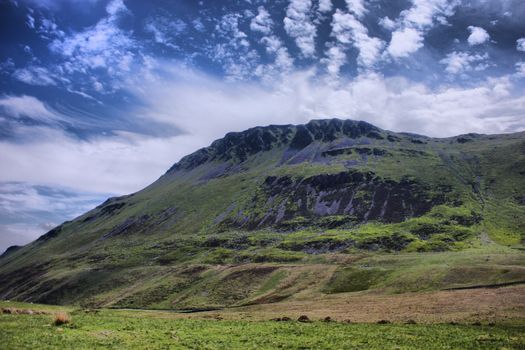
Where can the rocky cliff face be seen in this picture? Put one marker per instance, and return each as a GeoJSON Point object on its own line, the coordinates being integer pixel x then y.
{"type": "Point", "coordinates": [357, 196]}
{"type": "Point", "coordinates": [238, 146]}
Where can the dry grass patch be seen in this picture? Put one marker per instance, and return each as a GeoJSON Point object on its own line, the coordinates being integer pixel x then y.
{"type": "Point", "coordinates": [61, 318]}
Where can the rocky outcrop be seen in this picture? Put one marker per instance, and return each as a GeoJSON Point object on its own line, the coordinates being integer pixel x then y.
{"type": "Point", "coordinates": [355, 196]}
{"type": "Point", "coordinates": [238, 146]}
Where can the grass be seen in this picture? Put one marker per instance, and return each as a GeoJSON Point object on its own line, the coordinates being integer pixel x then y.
{"type": "Point", "coordinates": [354, 280]}
{"type": "Point", "coordinates": [112, 329]}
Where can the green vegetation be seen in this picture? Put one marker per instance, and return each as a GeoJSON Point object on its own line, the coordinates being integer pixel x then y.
{"type": "Point", "coordinates": [110, 329]}
{"type": "Point", "coordinates": [354, 280]}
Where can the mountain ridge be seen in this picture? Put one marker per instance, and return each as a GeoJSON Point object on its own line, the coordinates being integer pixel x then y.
{"type": "Point", "coordinates": [276, 200]}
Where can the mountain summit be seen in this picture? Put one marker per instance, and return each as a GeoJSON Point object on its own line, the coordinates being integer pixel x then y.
{"type": "Point", "coordinates": [276, 201]}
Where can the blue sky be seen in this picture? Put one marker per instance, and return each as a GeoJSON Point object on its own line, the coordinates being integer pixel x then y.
{"type": "Point", "coordinates": [99, 98]}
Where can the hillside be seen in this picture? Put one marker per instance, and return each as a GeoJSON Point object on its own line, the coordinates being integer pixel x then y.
{"type": "Point", "coordinates": [283, 213]}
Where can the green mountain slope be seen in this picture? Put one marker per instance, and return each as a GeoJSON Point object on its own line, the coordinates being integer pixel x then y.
{"type": "Point", "coordinates": [288, 211]}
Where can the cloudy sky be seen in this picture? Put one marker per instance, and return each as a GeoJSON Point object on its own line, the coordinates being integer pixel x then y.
{"type": "Point", "coordinates": [98, 98]}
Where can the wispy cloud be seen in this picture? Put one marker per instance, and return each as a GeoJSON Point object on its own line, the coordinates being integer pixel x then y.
{"type": "Point", "coordinates": [165, 30]}
{"type": "Point", "coordinates": [27, 106]}
{"type": "Point", "coordinates": [103, 46]}
{"type": "Point", "coordinates": [460, 62]}
{"type": "Point", "coordinates": [233, 49]}
{"type": "Point", "coordinates": [34, 75]}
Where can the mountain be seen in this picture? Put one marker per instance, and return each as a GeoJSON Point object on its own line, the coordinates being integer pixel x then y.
{"type": "Point", "coordinates": [281, 212]}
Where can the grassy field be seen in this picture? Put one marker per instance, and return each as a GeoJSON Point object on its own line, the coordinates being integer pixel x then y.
{"type": "Point", "coordinates": [126, 329]}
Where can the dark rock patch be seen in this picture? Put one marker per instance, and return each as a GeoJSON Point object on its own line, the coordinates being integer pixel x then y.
{"type": "Point", "coordinates": [303, 318]}
{"type": "Point", "coordinates": [131, 225]}
{"type": "Point", "coordinates": [355, 195]}
{"type": "Point", "coordinates": [358, 150]}
{"type": "Point", "coordinates": [393, 138]}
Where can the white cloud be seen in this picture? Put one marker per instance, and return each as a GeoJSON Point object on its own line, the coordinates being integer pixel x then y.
{"type": "Point", "coordinates": [460, 62]}
{"type": "Point", "coordinates": [262, 22]}
{"type": "Point", "coordinates": [116, 7]}
{"type": "Point", "coordinates": [325, 5]}
{"type": "Point", "coordinates": [34, 75]}
{"type": "Point", "coordinates": [424, 13]}
{"type": "Point", "coordinates": [118, 164]}
{"type": "Point", "coordinates": [299, 26]}
{"type": "Point", "coordinates": [357, 7]}
{"type": "Point", "coordinates": [414, 22]}
{"type": "Point", "coordinates": [207, 108]}
{"type": "Point", "coordinates": [35, 200]}
{"type": "Point", "coordinates": [335, 59]}
{"type": "Point", "coordinates": [520, 44]}
{"type": "Point", "coordinates": [18, 234]}
{"type": "Point", "coordinates": [477, 36]}
{"type": "Point", "coordinates": [405, 42]}
{"type": "Point", "coordinates": [347, 29]}
{"type": "Point", "coordinates": [283, 62]}
{"type": "Point", "coordinates": [27, 211]}
{"type": "Point", "coordinates": [387, 23]}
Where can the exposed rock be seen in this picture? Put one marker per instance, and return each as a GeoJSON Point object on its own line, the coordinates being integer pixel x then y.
{"type": "Point", "coordinates": [393, 138]}
{"type": "Point", "coordinates": [281, 319]}
{"type": "Point", "coordinates": [358, 150]}
{"type": "Point", "coordinates": [130, 225]}
{"type": "Point", "coordinates": [302, 138]}
{"type": "Point", "coordinates": [303, 318]}
{"type": "Point", "coordinates": [359, 196]}
{"type": "Point", "coordinates": [238, 146]}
